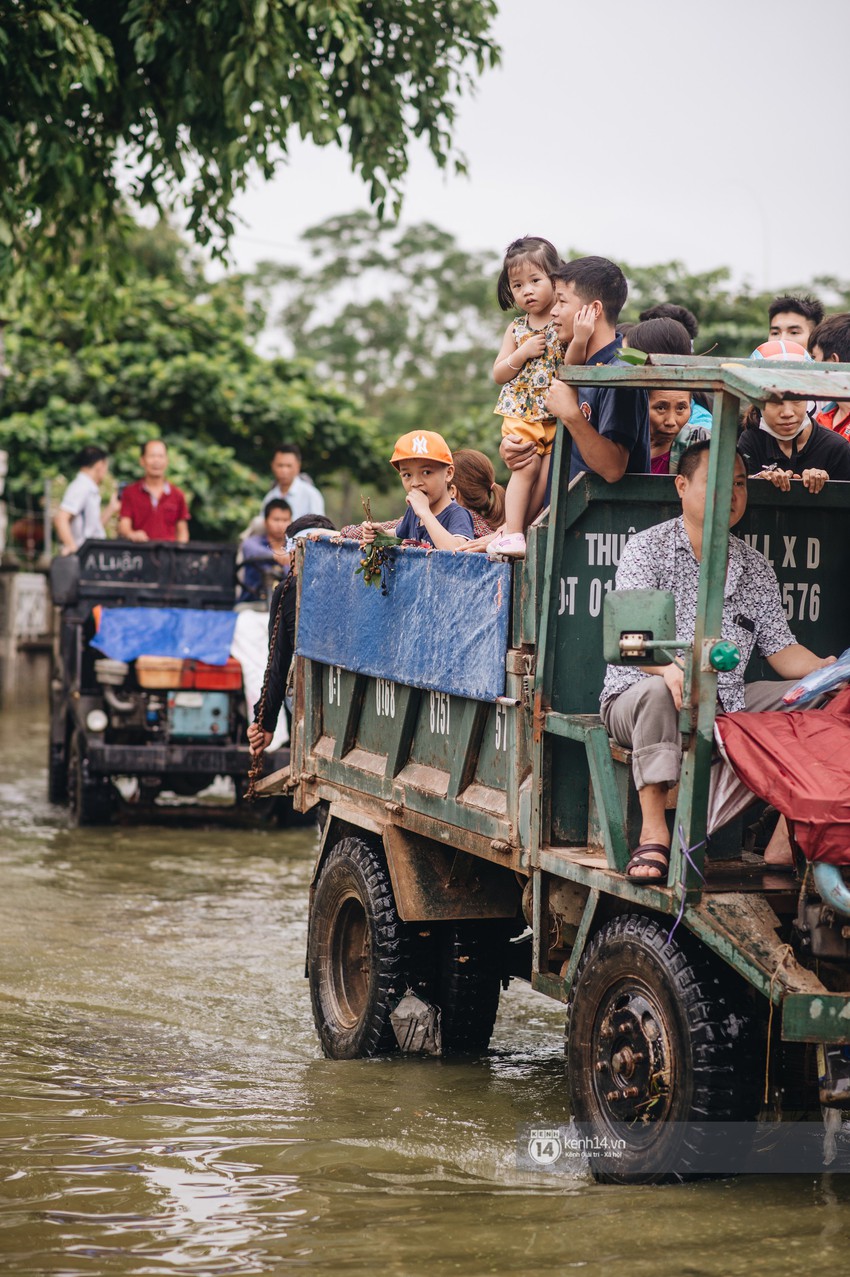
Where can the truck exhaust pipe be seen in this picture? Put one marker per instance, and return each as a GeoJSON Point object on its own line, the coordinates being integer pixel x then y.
{"type": "Point", "coordinates": [115, 703]}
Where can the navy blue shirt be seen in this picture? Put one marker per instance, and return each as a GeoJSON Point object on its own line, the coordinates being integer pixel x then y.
{"type": "Point", "coordinates": [617, 413]}
{"type": "Point", "coordinates": [454, 519]}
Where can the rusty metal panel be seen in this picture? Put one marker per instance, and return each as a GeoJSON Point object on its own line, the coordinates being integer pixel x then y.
{"type": "Point", "coordinates": [433, 881]}
{"type": "Point", "coordinates": [749, 379]}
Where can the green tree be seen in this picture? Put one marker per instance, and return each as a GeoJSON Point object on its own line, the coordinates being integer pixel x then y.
{"type": "Point", "coordinates": [171, 358]}
{"type": "Point", "coordinates": [402, 316]}
{"type": "Point", "coordinates": [732, 318]}
{"type": "Point", "coordinates": [186, 99]}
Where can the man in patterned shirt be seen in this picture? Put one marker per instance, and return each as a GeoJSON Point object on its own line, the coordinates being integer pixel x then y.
{"type": "Point", "coordinates": [640, 707]}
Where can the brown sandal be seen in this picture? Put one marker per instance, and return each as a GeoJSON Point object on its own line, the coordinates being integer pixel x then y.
{"type": "Point", "coordinates": [641, 858]}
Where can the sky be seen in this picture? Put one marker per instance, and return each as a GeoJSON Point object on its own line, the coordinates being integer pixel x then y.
{"type": "Point", "coordinates": [641, 130]}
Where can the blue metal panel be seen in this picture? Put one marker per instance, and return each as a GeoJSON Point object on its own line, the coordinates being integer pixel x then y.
{"type": "Point", "coordinates": [128, 632]}
{"type": "Point", "coordinates": [443, 624]}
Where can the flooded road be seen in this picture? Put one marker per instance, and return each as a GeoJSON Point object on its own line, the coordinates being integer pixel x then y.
{"type": "Point", "coordinates": [166, 1110]}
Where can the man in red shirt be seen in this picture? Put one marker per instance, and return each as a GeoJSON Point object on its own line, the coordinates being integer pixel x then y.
{"type": "Point", "coordinates": [153, 509]}
{"type": "Point", "coordinates": [830, 344]}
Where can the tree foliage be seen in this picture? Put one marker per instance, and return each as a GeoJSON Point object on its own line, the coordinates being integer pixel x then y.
{"type": "Point", "coordinates": [404, 317]}
{"type": "Point", "coordinates": [184, 99]}
{"type": "Point", "coordinates": [170, 358]}
{"type": "Point", "coordinates": [732, 318]}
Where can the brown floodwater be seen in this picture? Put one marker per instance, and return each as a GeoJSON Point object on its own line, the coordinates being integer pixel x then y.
{"type": "Point", "coordinates": [166, 1109]}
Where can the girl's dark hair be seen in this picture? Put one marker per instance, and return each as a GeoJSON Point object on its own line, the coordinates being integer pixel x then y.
{"type": "Point", "coordinates": [475, 480]}
{"type": "Point", "coordinates": [537, 250]}
{"type": "Point", "coordinates": [659, 337]}
{"type": "Point", "coordinates": [310, 521]}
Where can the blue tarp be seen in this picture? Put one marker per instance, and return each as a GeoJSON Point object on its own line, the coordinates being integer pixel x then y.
{"type": "Point", "coordinates": [128, 632]}
{"type": "Point", "coordinates": [443, 626]}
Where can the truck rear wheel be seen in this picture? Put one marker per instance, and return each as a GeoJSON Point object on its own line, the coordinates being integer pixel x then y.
{"type": "Point", "coordinates": [57, 774]}
{"type": "Point", "coordinates": [92, 802]}
{"type": "Point", "coordinates": [354, 953]}
{"type": "Point", "coordinates": [654, 1041]}
{"type": "Point", "coordinates": [469, 983]}
{"type": "Point", "coordinates": [57, 751]}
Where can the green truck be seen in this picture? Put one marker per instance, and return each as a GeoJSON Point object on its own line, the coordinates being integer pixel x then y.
{"type": "Point", "coordinates": [469, 839]}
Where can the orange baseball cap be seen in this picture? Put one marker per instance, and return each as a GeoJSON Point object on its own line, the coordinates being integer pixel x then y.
{"type": "Point", "coordinates": [422, 445]}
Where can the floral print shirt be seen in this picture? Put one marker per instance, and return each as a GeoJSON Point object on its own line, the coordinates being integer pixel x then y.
{"type": "Point", "coordinates": [523, 395]}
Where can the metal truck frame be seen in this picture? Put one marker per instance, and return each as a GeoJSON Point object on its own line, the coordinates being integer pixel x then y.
{"type": "Point", "coordinates": [452, 823]}
{"type": "Point", "coordinates": [101, 729]}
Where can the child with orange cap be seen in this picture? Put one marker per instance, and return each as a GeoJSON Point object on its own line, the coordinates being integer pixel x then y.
{"type": "Point", "coordinates": [425, 464]}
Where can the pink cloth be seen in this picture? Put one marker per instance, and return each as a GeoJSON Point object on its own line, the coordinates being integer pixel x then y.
{"type": "Point", "coordinates": [797, 761]}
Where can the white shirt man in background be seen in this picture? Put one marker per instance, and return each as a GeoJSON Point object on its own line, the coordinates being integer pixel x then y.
{"type": "Point", "coordinates": [297, 490]}
{"type": "Point", "coordinates": [80, 516]}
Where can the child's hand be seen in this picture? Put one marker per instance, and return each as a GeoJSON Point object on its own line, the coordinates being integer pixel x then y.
{"type": "Point", "coordinates": [814, 479]}
{"type": "Point", "coordinates": [532, 348]}
{"type": "Point", "coordinates": [418, 503]}
{"type": "Point", "coordinates": [584, 324]}
{"type": "Point", "coordinates": [368, 530]}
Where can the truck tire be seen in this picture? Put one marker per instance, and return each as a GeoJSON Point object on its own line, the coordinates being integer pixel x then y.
{"type": "Point", "coordinates": [469, 983]}
{"type": "Point", "coordinates": [656, 1036]}
{"type": "Point", "coordinates": [92, 802]}
{"type": "Point", "coordinates": [57, 774]}
{"type": "Point", "coordinates": [57, 749]}
{"type": "Point", "coordinates": [355, 953]}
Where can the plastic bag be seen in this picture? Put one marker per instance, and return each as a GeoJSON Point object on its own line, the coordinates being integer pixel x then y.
{"type": "Point", "coordinates": [819, 681]}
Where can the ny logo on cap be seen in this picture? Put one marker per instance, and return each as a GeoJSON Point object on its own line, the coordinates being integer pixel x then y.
{"type": "Point", "coordinates": [420, 445]}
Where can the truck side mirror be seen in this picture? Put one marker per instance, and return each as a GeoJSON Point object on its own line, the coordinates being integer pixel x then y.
{"type": "Point", "coordinates": [632, 621]}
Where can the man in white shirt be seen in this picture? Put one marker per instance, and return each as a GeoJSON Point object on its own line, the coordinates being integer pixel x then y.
{"type": "Point", "coordinates": [79, 516]}
{"type": "Point", "coordinates": [300, 493]}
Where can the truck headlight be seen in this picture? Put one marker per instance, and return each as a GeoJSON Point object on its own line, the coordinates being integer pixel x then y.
{"type": "Point", "coordinates": [96, 720]}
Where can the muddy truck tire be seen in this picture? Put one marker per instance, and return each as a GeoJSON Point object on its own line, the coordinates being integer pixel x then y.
{"type": "Point", "coordinates": [660, 1044]}
{"type": "Point", "coordinates": [355, 953]}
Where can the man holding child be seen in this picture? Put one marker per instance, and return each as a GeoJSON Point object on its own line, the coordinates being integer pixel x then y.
{"type": "Point", "coordinates": [608, 426]}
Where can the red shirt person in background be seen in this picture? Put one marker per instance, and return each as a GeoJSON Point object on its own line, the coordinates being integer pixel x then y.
{"type": "Point", "coordinates": [154, 509]}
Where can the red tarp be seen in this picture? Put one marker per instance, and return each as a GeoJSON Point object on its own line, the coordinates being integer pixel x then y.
{"type": "Point", "coordinates": [799, 761]}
